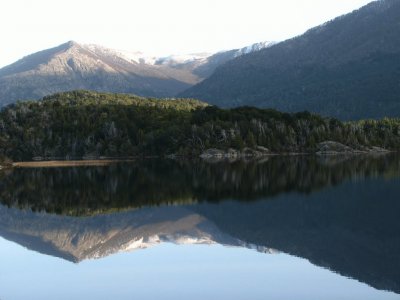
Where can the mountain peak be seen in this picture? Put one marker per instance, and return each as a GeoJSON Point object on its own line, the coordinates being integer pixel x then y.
{"type": "Point", "coordinates": [72, 43]}
{"type": "Point", "coordinates": [74, 65]}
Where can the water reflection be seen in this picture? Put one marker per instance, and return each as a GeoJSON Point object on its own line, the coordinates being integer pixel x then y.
{"type": "Point", "coordinates": [90, 190]}
{"type": "Point", "coordinates": [339, 213]}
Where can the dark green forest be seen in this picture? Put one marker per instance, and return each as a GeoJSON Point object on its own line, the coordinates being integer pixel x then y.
{"type": "Point", "coordinates": [83, 124]}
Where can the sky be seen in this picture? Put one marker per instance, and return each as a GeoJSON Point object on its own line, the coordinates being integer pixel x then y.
{"type": "Point", "coordinates": [174, 272]}
{"type": "Point", "coordinates": [158, 27]}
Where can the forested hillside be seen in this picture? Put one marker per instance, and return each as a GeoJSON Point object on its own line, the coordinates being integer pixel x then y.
{"type": "Point", "coordinates": [88, 124]}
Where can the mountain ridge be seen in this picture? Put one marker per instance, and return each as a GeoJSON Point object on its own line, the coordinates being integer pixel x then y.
{"type": "Point", "coordinates": [72, 66]}
{"type": "Point", "coordinates": [346, 68]}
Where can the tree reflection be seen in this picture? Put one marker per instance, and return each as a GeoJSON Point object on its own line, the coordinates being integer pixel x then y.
{"type": "Point", "coordinates": [118, 186]}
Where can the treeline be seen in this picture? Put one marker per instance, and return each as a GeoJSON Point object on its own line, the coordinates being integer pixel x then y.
{"type": "Point", "coordinates": [89, 124]}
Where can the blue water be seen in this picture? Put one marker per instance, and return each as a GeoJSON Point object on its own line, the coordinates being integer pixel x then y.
{"type": "Point", "coordinates": [302, 228]}
{"type": "Point", "coordinates": [170, 271]}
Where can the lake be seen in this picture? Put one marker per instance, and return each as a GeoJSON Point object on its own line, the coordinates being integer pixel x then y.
{"type": "Point", "coordinates": [296, 227]}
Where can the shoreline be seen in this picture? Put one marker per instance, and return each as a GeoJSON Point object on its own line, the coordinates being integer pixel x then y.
{"type": "Point", "coordinates": [67, 163]}
{"type": "Point", "coordinates": [106, 162]}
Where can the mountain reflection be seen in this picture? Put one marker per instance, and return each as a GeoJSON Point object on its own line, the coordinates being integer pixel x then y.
{"type": "Point", "coordinates": [77, 239]}
{"type": "Point", "coordinates": [340, 213]}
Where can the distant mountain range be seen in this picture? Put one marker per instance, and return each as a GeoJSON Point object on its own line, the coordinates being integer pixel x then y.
{"type": "Point", "coordinates": [72, 66]}
{"type": "Point", "coordinates": [347, 68]}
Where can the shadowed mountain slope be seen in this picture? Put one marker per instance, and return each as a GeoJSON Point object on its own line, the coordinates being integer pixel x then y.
{"type": "Point", "coordinates": [348, 68]}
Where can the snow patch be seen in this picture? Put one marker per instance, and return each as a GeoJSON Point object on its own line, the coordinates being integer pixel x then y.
{"type": "Point", "coordinates": [254, 48]}
{"type": "Point", "coordinates": [129, 56]}
{"type": "Point", "coordinates": [183, 59]}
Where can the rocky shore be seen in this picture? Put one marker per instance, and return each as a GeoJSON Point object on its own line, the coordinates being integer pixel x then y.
{"type": "Point", "coordinates": [335, 148]}
{"type": "Point", "coordinates": [258, 151]}
{"type": "Point", "coordinates": [326, 148]}
{"type": "Point", "coordinates": [323, 148]}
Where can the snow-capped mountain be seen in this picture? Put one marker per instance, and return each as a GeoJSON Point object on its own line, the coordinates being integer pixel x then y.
{"type": "Point", "coordinates": [72, 66]}
{"type": "Point", "coordinates": [205, 58]}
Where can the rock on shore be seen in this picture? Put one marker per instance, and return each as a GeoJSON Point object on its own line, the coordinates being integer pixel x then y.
{"type": "Point", "coordinates": [334, 148]}
{"type": "Point", "coordinates": [233, 153]}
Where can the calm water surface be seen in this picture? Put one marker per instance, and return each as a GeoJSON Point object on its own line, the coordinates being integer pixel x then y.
{"type": "Point", "coordinates": [282, 228]}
